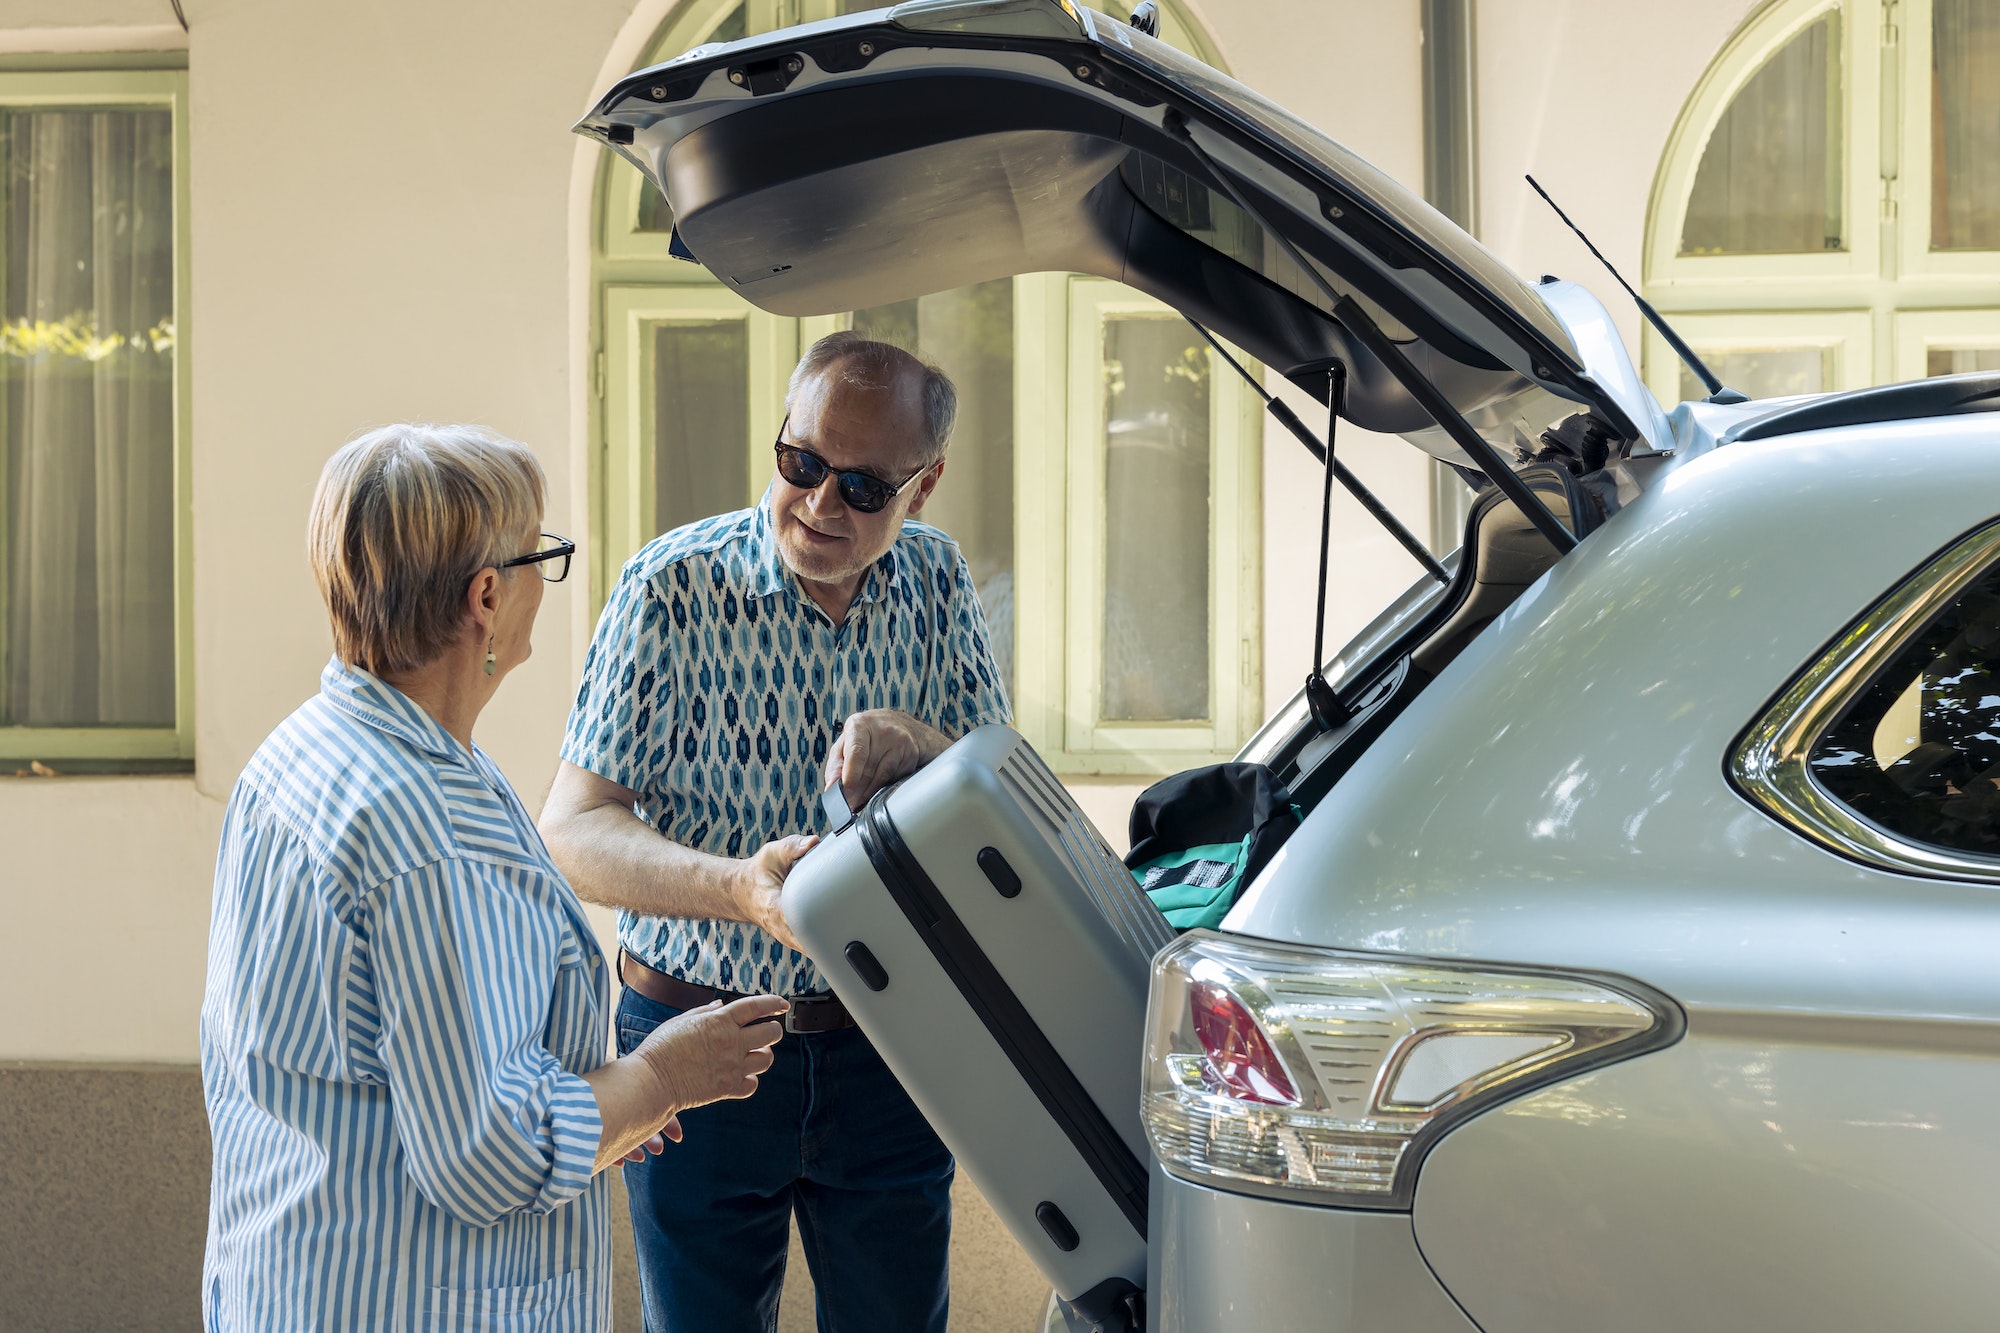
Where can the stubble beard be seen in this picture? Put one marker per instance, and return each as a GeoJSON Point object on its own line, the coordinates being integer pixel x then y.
{"type": "Point", "coordinates": [824, 566]}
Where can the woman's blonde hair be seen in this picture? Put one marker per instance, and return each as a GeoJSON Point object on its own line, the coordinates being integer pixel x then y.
{"type": "Point", "coordinates": [403, 518]}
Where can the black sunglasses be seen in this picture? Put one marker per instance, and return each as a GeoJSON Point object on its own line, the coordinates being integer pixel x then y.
{"type": "Point", "coordinates": [859, 490]}
{"type": "Point", "coordinates": [554, 549]}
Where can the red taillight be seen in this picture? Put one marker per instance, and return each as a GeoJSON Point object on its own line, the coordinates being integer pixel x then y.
{"type": "Point", "coordinates": [1239, 1058]}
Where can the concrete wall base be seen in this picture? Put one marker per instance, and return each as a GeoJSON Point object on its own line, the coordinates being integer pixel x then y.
{"type": "Point", "coordinates": [104, 1173]}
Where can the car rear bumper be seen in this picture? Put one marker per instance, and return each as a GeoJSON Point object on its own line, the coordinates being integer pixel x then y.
{"type": "Point", "coordinates": [1223, 1261]}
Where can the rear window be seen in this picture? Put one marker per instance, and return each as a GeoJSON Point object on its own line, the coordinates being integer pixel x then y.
{"type": "Point", "coordinates": [1918, 754]}
{"type": "Point", "coordinates": [1189, 206]}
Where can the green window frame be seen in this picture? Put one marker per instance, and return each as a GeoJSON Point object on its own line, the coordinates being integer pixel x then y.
{"type": "Point", "coordinates": [1075, 579]}
{"type": "Point", "coordinates": [1059, 455]}
{"type": "Point", "coordinates": [633, 315]}
{"type": "Point", "coordinates": [126, 82]}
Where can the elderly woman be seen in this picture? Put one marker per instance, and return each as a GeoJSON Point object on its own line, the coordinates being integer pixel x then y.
{"type": "Point", "coordinates": [404, 1036]}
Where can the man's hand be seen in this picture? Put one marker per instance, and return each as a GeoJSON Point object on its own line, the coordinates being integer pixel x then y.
{"type": "Point", "coordinates": [761, 878]}
{"type": "Point", "coordinates": [877, 747]}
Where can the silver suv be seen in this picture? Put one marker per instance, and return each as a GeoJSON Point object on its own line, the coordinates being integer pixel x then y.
{"type": "Point", "coordinates": [1635, 964]}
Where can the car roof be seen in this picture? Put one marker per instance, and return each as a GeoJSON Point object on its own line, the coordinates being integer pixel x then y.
{"type": "Point", "coordinates": [1944, 395]}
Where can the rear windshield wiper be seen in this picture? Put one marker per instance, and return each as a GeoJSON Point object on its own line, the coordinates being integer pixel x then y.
{"type": "Point", "coordinates": [1349, 314]}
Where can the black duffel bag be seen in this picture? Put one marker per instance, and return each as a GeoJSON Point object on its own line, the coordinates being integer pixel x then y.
{"type": "Point", "coordinates": [1199, 837]}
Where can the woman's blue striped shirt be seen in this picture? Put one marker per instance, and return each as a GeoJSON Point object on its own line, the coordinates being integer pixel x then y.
{"type": "Point", "coordinates": [402, 993]}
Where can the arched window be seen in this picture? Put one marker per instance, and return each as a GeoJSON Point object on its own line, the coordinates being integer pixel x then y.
{"type": "Point", "coordinates": [1104, 479]}
{"type": "Point", "coordinates": [1827, 214]}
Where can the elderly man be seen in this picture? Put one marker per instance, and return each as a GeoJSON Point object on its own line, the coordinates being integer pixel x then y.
{"type": "Point", "coordinates": [742, 664]}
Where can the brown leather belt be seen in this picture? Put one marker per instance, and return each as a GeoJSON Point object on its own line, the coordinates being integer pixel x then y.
{"type": "Point", "coordinates": [809, 1013]}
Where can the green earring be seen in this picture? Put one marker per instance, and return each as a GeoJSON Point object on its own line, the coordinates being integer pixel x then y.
{"type": "Point", "coordinates": [492, 662]}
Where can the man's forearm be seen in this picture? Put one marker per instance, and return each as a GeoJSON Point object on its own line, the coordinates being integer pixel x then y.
{"type": "Point", "coordinates": [614, 858]}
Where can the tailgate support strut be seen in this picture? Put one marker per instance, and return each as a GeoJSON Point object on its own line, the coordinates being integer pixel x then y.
{"type": "Point", "coordinates": [1351, 317]}
{"type": "Point", "coordinates": [1282, 411]}
{"type": "Point", "coordinates": [1356, 321]}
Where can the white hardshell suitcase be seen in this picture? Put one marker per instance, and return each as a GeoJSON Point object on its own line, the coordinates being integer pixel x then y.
{"type": "Point", "coordinates": [996, 952]}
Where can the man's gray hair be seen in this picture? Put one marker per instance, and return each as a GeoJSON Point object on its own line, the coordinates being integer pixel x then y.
{"type": "Point", "coordinates": [870, 363]}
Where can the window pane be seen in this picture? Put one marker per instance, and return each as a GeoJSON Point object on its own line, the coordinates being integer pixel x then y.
{"type": "Point", "coordinates": [891, 323]}
{"type": "Point", "coordinates": [970, 333]}
{"type": "Point", "coordinates": [1770, 177]}
{"type": "Point", "coordinates": [87, 375]}
{"type": "Point", "coordinates": [1156, 523]}
{"type": "Point", "coordinates": [1767, 372]}
{"type": "Point", "coordinates": [1960, 360]}
{"type": "Point", "coordinates": [1919, 753]}
{"type": "Point", "coordinates": [735, 26]}
{"type": "Point", "coordinates": [1965, 125]}
{"type": "Point", "coordinates": [701, 420]}
{"type": "Point", "coordinates": [655, 214]}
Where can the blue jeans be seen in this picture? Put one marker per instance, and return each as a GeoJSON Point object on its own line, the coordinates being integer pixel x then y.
{"type": "Point", "coordinates": [830, 1137]}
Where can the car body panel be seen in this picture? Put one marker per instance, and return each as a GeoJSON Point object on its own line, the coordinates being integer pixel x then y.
{"type": "Point", "coordinates": [1751, 1177]}
{"type": "Point", "coordinates": [1227, 1261]}
{"type": "Point", "coordinates": [1558, 794]}
{"type": "Point", "coordinates": [1596, 339]}
{"type": "Point", "coordinates": [1813, 1151]}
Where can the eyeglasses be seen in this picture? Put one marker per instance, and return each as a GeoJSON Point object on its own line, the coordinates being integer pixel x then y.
{"type": "Point", "coordinates": [553, 556]}
{"type": "Point", "coordinates": [859, 490]}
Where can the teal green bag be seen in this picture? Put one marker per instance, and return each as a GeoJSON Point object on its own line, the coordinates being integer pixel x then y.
{"type": "Point", "coordinates": [1196, 887]}
{"type": "Point", "coordinates": [1199, 837]}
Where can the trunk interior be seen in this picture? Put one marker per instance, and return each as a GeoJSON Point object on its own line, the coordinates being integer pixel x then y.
{"type": "Point", "coordinates": [1502, 554]}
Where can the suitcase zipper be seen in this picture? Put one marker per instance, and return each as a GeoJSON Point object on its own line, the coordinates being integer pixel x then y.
{"type": "Point", "coordinates": [1089, 1131]}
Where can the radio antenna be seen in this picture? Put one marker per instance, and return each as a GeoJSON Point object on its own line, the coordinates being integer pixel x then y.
{"type": "Point", "coordinates": [1718, 392]}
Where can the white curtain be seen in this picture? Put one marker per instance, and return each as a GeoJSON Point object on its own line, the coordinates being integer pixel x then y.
{"type": "Point", "coordinates": [1965, 125]}
{"type": "Point", "coordinates": [970, 332]}
{"type": "Point", "coordinates": [1770, 178]}
{"type": "Point", "coordinates": [1156, 522]}
{"type": "Point", "coordinates": [89, 387]}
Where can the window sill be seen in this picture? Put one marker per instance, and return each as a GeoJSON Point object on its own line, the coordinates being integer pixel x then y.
{"type": "Point", "coordinates": [33, 770]}
{"type": "Point", "coordinates": [1126, 764]}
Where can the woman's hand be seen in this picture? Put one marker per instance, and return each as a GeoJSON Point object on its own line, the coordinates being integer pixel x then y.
{"type": "Point", "coordinates": [657, 1144]}
{"type": "Point", "coordinates": [713, 1053]}
{"type": "Point", "coordinates": [704, 1055]}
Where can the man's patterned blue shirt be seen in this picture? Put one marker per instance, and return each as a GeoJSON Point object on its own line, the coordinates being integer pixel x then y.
{"type": "Point", "coordinates": [714, 688]}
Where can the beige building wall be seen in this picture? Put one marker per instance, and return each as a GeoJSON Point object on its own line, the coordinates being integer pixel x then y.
{"type": "Point", "coordinates": [1582, 95]}
{"type": "Point", "coordinates": [389, 221]}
